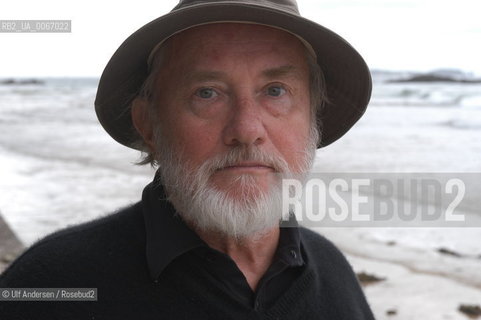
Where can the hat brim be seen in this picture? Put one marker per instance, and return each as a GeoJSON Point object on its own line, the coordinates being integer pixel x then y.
{"type": "Point", "coordinates": [348, 80]}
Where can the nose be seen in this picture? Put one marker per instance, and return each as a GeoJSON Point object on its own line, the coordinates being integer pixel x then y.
{"type": "Point", "coordinates": [245, 125]}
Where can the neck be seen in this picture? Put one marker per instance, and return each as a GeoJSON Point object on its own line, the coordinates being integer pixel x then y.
{"type": "Point", "coordinates": [252, 255]}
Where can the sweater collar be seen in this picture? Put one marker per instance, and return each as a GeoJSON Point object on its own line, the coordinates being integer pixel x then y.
{"type": "Point", "coordinates": [168, 237]}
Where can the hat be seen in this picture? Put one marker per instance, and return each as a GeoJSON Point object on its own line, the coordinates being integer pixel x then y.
{"type": "Point", "coordinates": [347, 77]}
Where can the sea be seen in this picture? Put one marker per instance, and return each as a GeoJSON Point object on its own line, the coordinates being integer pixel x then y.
{"type": "Point", "coordinates": [58, 167]}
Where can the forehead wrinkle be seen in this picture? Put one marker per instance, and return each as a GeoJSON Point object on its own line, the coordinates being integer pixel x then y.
{"type": "Point", "coordinates": [271, 73]}
{"type": "Point", "coordinates": [281, 72]}
{"type": "Point", "coordinates": [203, 76]}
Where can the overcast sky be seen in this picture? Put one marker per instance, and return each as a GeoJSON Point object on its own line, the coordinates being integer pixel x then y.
{"type": "Point", "coordinates": [390, 34]}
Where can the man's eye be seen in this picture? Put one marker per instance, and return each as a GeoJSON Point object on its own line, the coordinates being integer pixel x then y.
{"type": "Point", "coordinates": [206, 93]}
{"type": "Point", "coordinates": [275, 91]}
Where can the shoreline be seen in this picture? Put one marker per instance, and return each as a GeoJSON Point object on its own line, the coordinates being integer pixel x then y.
{"type": "Point", "coordinates": [364, 243]}
{"type": "Point", "coordinates": [406, 286]}
{"type": "Point", "coordinates": [403, 294]}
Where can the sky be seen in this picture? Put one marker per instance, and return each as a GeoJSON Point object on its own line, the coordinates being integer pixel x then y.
{"type": "Point", "coordinates": [411, 35]}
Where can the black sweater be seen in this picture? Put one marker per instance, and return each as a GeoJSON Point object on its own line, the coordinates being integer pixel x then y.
{"type": "Point", "coordinates": [109, 254]}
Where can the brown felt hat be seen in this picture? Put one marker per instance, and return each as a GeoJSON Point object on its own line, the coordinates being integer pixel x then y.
{"type": "Point", "coordinates": [347, 76]}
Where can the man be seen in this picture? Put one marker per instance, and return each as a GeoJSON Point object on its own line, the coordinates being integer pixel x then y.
{"type": "Point", "coordinates": [226, 98]}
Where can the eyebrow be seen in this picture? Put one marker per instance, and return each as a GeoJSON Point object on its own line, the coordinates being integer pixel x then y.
{"type": "Point", "coordinates": [271, 73]}
{"type": "Point", "coordinates": [280, 72]}
{"type": "Point", "coordinates": [203, 76]}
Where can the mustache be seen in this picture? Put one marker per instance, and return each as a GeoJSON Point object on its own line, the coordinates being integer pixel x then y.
{"type": "Point", "coordinates": [237, 155]}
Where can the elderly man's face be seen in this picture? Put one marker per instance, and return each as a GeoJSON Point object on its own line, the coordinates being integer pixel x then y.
{"type": "Point", "coordinates": [224, 86]}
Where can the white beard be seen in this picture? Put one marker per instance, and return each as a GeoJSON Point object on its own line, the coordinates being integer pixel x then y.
{"type": "Point", "coordinates": [206, 208]}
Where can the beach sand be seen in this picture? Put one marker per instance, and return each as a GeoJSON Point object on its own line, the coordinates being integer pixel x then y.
{"type": "Point", "coordinates": [414, 295]}
{"type": "Point", "coordinates": [412, 287]}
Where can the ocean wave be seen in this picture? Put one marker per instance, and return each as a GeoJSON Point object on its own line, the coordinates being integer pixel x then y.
{"type": "Point", "coordinates": [466, 118]}
{"type": "Point", "coordinates": [442, 95]}
{"type": "Point", "coordinates": [471, 101]}
{"type": "Point", "coordinates": [464, 124]}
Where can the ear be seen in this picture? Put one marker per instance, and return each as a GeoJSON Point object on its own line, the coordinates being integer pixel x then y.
{"type": "Point", "coordinates": [141, 121]}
